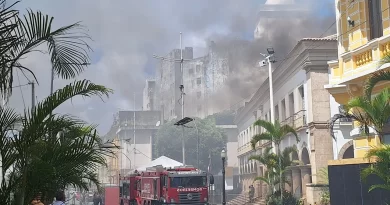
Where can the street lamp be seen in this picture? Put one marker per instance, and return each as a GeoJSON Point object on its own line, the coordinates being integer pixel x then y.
{"type": "Point", "coordinates": [223, 156]}
{"type": "Point", "coordinates": [183, 123]}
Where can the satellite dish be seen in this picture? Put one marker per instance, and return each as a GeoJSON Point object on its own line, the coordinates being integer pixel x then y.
{"type": "Point", "coordinates": [158, 124]}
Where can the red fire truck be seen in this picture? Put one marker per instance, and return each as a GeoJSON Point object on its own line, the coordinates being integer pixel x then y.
{"type": "Point", "coordinates": [158, 185]}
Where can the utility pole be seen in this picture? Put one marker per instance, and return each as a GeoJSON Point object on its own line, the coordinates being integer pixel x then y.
{"type": "Point", "coordinates": [269, 60]}
{"type": "Point", "coordinates": [181, 87]}
{"type": "Point", "coordinates": [134, 131]}
{"type": "Point", "coordinates": [182, 100]}
{"type": "Point", "coordinates": [52, 81]}
{"type": "Point", "coordinates": [32, 94]}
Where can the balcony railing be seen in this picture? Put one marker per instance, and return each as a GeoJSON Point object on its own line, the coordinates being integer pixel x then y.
{"type": "Point", "coordinates": [297, 120]}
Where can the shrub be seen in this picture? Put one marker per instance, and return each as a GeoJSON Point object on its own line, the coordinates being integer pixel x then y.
{"type": "Point", "coordinates": [288, 199]}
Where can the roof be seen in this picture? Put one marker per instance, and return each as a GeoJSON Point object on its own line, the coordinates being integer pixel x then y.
{"type": "Point", "coordinates": [163, 160]}
{"type": "Point", "coordinates": [326, 38]}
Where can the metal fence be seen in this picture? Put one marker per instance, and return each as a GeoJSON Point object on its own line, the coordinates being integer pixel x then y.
{"type": "Point", "coordinates": [346, 186]}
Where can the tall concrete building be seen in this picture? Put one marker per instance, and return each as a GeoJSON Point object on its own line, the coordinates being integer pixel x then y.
{"type": "Point", "coordinates": [168, 81]}
{"type": "Point", "coordinates": [149, 95]}
{"type": "Point", "coordinates": [202, 77]}
{"type": "Point", "coordinates": [274, 11]}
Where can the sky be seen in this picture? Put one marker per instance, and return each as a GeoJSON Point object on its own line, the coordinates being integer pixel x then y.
{"type": "Point", "coordinates": [125, 35]}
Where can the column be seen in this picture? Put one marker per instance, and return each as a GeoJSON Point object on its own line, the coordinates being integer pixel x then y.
{"type": "Point", "coordinates": [288, 174]}
{"type": "Point", "coordinates": [305, 177]}
{"type": "Point", "coordinates": [296, 181]}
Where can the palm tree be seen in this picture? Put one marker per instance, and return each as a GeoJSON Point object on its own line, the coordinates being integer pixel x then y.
{"type": "Point", "coordinates": [376, 78]}
{"type": "Point", "coordinates": [22, 149]}
{"type": "Point", "coordinates": [369, 112]}
{"type": "Point", "coordinates": [20, 36]}
{"type": "Point", "coordinates": [270, 161]}
{"type": "Point", "coordinates": [274, 132]}
{"type": "Point", "coordinates": [380, 167]}
{"type": "Point", "coordinates": [274, 169]}
{"type": "Point", "coordinates": [70, 159]}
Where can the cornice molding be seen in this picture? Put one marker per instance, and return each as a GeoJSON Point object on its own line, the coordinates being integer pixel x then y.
{"type": "Point", "coordinates": [305, 58]}
{"type": "Point", "coordinates": [318, 125]}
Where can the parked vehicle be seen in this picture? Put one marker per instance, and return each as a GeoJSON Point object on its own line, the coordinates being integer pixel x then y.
{"type": "Point", "coordinates": [158, 185]}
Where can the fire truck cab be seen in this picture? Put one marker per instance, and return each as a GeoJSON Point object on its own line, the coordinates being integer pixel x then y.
{"type": "Point", "coordinates": [169, 186]}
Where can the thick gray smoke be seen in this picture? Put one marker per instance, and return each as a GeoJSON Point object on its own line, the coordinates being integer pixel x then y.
{"type": "Point", "coordinates": [127, 33]}
{"type": "Point", "coordinates": [282, 34]}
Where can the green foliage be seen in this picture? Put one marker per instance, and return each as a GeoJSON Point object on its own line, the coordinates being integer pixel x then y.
{"type": "Point", "coordinates": [325, 198]}
{"type": "Point", "coordinates": [372, 112]}
{"type": "Point", "coordinates": [211, 142]}
{"type": "Point", "coordinates": [369, 111]}
{"type": "Point", "coordinates": [288, 199]}
{"type": "Point", "coordinates": [22, 35]}
{"type": "Point", "coordinates": [223, 118]}
{"type": "Point", "coordinates": [380, 167]}
{"type": "Point", "coordinates": [44, 152]}
{"type": "Point", "coordinates": [324, 179]}
{"type": "Point", "coordinates": [323, 175]}
{"type": "Point", "coordinates": [271, 161]}
{"type": "Point", "coordinates": [275, 132]}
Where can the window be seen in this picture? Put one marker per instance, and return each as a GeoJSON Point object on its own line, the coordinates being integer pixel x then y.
{"type": "Point", "coordinates": [191, 71]}
{"type": "Point", "coordinates": [198, 81]}
{"type": "Point", "coordinates": [197, 68]}
{"type": "Point", "coordinates": [386, 139]}
{"type": "Point", "coordinates": [375, 18]}
{"type": "Point", "coordinates": [188, 182]}
{"type": "Point", "coordinates": [301, 98]}
{"type": "Point", "coordinates": [276, 113]}
{"type": "Point", "coordinates": [291, 104]}
{"type": "Point", "coordinates": [193, 83]}
{"type": "Point", "coordinates": [199, 95]}
{"type": "Point", "coordinates": [283, 109]}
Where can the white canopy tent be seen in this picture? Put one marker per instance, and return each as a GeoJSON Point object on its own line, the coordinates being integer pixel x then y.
{"type": "Point", "coordinates": [163, 161]}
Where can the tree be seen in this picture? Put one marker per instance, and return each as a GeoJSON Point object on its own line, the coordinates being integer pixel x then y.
{"type": "Point", "coordinates": [274, 169]}
{"type": "Point", "coordinates": [380, 167]}
{"type": "Point", "coordinates": [274, 132]}
{"type": "Point", "coordinates": [211, 138]}
{"type": "Point", "coordinates": [270, 161]}
{"type": "Point", "coordinates": [21, 36]}
{"type": "Point", "coordinates": [372, 112]}
{"type": "Point", "coordinates": [369, 111]}
{"type": "Point", "coordinates": [30, 154]}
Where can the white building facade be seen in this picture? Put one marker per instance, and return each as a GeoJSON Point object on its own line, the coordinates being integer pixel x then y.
{"type": "Point", "coordinates": [300, 101]}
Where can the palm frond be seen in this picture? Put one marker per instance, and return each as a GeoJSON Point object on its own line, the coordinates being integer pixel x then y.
{"type": "Point", "coordinates": [8, 25]}
{"type": "Point", "coordinates": [380, 167]}
{"type": "Point", "coordinates": [268, 126]}
{"type": "Point", "coordinates": [335, 118]}
{"type": "Point", "coordinates": [263, 179]}
{"type": "Point", "coordinates": [287, 129]}
{"type": "Point", "coordinates": [67, 46]}
{"type": "Point", "coordinates": [258, 137]}
{"type": "Point", "coordinates": [375, 78]}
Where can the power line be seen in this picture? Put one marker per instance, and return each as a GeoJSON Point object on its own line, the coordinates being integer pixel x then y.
{"type": "Point", "coordinates": [16, 86]}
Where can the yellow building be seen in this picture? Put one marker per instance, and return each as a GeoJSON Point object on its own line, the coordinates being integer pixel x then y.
{"type": "Point", "coordinates": [363, 28]}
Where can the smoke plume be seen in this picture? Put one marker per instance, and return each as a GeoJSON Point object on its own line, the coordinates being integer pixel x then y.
{"type": "Point", "coordinates": [126, 34]}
